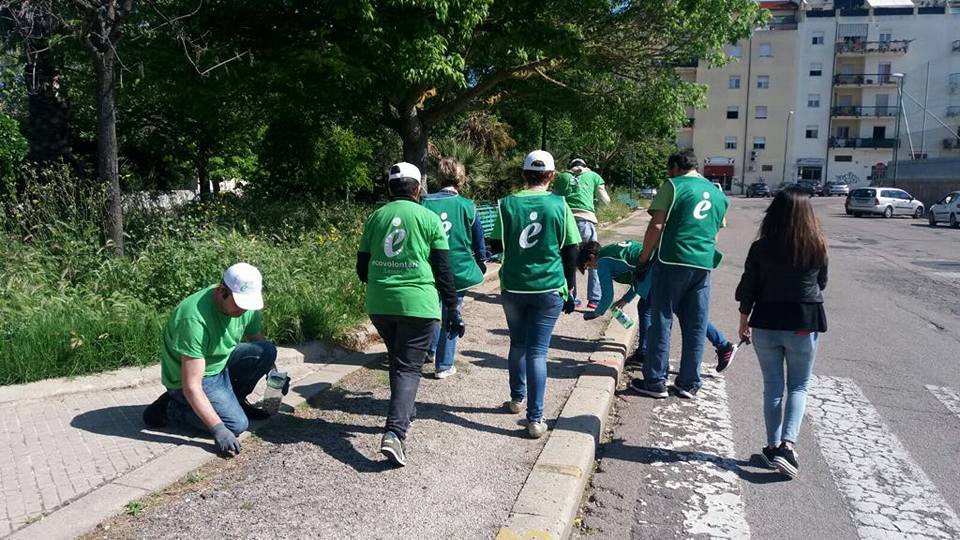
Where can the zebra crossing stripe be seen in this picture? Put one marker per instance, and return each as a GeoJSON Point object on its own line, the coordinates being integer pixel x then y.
{"type": "Point", "coordinates": [889, 495]}
{"type": "Point", "coordinates": [698, 461]}
{"type": "Point", "coordinates": [948, 396]}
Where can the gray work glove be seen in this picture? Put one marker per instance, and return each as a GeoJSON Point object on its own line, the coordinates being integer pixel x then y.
{"type": "Point", "coordinates": [226, 441]}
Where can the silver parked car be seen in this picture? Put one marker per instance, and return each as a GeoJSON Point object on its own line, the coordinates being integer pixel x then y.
{"type": "Point", "coordinates": [648, 193]}
{"type": "Point", "coordinates": [883, 201]}
{"type": "Point", "coordinates": [946, 210]}
{"type": "Point", "coordinates": [836, 188]}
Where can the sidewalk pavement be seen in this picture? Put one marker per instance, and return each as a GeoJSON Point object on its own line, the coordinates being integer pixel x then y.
{"type": "Point", "coordinates": [70, 441]}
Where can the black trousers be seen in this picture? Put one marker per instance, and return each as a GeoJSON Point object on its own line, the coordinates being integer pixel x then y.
{"type": "Point", "coordinates": [408, 340]}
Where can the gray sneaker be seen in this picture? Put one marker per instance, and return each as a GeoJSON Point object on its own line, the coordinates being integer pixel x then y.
{"type": "Point", "coordinates": [392, 447]}
{"type": "Point", "coordinates": [514, 406]}
{"type": "Point", "coordinates": [536, 428]}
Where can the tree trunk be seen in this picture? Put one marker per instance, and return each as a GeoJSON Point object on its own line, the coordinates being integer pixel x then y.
{"type": "Point", "coordinates": [414, 136]}
{"type": "Point", "coordinates": [107, 167]}
{"type": "Point", "coordinates": [47, 125]}
{"type": "Point", "coordinates": [203, 172]}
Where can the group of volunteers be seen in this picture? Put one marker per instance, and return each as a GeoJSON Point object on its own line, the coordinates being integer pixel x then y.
{"type": "Point", "coordinates": [420, 253]}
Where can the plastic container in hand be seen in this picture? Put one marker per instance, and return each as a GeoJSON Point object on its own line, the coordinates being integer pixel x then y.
{"type": "Point", "coordinates": [622, 318]}
{"type": "Point", "coordinates": [273, 395]}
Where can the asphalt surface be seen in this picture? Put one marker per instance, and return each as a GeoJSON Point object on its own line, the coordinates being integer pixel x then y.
{"type": "Point", "coordinates": [880, 443]}
{"type": "Point", "coordinates": [319, 473]}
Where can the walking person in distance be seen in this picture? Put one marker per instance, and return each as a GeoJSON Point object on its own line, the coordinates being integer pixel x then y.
{"type": "Point", "coordinates": [781, 310]}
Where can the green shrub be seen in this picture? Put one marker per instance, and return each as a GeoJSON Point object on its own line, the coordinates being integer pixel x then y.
{"type": "Point", "coordinates": [13, 148]}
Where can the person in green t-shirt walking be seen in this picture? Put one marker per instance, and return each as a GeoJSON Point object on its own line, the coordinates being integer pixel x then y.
{"type": "Point", "coordinates": [467, 251]}
{"type": "Point", "coordinates": [581, 187]}
{"type": "Point", "coordinates": [212, 355]}
{"type": "Point", "coordinates": [403, 258]}
{"type": "Point", "coordinates": [536, 232]}
{"type": "Point", "coordinates": [687, 215]}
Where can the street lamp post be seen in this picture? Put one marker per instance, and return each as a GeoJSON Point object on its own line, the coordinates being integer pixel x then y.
{"type": "Point", "coordinates": [896, 144]}
{"type": "Point", "coordinates": [786, 137]}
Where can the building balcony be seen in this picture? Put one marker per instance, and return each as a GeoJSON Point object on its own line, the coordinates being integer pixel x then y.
{"type": "Point", "coordinates": [856, 111]}
{"type": "Point", "coordinates": [859, 48]}
{"type": "Point", "coordinates": [848, 142]}
{"type": "Point", "coordinates": [953, 111]}
{"type": "Point", "coordinates": [951, 144]}
{"type": "Point", "coordinates": [956, 45]}
{"type": "Point", "coordinates": [953, 83]}
{"type": "Point", "coordinates": [864, 79]}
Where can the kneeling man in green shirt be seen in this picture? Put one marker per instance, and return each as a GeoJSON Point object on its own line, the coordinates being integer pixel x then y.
{"type": "Point", "coordinates": [212, 355]}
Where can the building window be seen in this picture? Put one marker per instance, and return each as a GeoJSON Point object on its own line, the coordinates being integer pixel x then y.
{"type": "Point", "coordinates": [886, 36]}
{"type": "Point", "coordinates": [759, 143]}
{"type": "Point", "coordinates": [816, 69]}
{"type": "Point", "coordinates": [765, 51]}
{"type": "Point", "coordinates": [733, 112]}
{"type": "Point", "coordinates": [761, 112]}
{"type": "Point", "coordinates": [763, 81]}
{"type": "Point", "coordinates": [813, 100]}
{"type": "Point", "coordinates": [843, 158]}
{"type": "Point", "coordinates": [736, 52]}
{"type": "Point", "coordinates": [766, 168]}
{"type": "Point", "coordinates": [812, 132]}
{"type": "Point", "coordinates": [817, 38]}
{"type": "Point", "coordinates": [734, 82]}
{"type": "Point", "coordinates": [730, 143]}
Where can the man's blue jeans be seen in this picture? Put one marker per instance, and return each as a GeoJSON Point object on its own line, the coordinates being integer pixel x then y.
{"type": "Point", "coordinates": [443, 343]}
{"type": "Point", "coordinates": [530, 321]}
{"type": "Point", "coordinates": [683, 291]}
{"type": "Point", "coordinates": [776, 349]}
{"type": "Point", "coordinates": [714, 335]}
{"type": "Point", "coordinates": [248, 363]}
{"type": "Point", "coordinates": [588, 232]}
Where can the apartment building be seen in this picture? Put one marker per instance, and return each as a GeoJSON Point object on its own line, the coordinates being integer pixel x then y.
{"type": "Point", "coordinates": [815, 93]}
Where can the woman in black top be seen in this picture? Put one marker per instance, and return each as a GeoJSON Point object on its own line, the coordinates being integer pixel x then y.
{"type": "Point", "coordinates": [781, 309]}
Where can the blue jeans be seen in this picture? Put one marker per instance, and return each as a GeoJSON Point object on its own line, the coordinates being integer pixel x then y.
{"type": "Point", "coordinates": [714, 335]}
{"type": "Point", "coordinates": [776, 349]}
{"type": "Point", "coordinates": [685, 292]}
{"type": "Point", "coordinates": [530, 321]}
{"type": "Point", "coordinates": [588, 232]}
{"type": "Point", "coordinates": [443, 343]}
{"type": "Point", "coordinates": [248, 363]}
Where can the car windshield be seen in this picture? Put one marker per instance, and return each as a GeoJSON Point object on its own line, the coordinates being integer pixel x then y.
{"type": "Point", "coordinates": [865, 193]}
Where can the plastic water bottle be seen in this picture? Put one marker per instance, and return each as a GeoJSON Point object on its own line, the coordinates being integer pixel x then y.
{"type": "Point", "coordinates": [273, 395]}
{"type": "Point", "coordinates": [622, 317]}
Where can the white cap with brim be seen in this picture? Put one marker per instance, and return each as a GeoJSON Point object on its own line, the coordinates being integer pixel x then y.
{"type": "Point", "coordinates": [404, 170]}
{"type": "Point", "coordinates": [538, 160]}
{"type": "Point", "coordinates": [577, 162]}
{"type": "Point", "coordinates": [246, 284]}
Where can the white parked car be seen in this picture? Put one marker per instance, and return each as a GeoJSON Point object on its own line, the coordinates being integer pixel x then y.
{"type": "Point", "coordinates": [887, 202]}
{"type": "Point", "coordinates": [946, 210]}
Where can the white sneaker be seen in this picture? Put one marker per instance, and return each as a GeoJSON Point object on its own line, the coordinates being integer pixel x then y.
{"type": "Point", "coordinates": [514, 406]}
{"type": "Point", "coordinates": [446, 373]}
{"type": "Point", "coordinates": [537, 429]}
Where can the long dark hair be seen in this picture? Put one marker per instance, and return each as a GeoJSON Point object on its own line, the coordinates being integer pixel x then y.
{"type": "Point", "coordinates": [792, 232]}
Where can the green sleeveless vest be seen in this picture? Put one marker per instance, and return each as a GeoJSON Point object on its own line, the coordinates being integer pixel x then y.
{"type": "Point", "coordinates": [533, 232]}
{"type": "Point", "coordinates": [627, 251]}
{"type": "Point", "coordinates": [457, 215]}
{"type": "Point", "coordinates": [692, 223]}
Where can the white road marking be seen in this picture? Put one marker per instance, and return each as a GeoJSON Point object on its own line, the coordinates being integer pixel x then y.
{"type": "Point", "coordinates": [948, 396]}
{"type": "Point", "coordinates": [889, 495]}
{"type": "Point", "coordinates": [695, 439]}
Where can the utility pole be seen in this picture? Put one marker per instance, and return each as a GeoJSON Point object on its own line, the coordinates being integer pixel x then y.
{"type": "Point", "coordinates": [786, 137]}
{"type": "Point", "coordinates": [923, 117]}
{"type": "Point", "coordinates": [896, 147]}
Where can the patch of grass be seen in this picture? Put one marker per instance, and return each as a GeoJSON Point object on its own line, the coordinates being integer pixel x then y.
{"type": "Point", "coordinates": [617, 209]}
{"type": "Point", "coordinates": [194, 477]}
{"type": "Point", "coordinates": [35, 518]}
{"type": "Point", "coordinates": [246, 505]}
{"type": "Point", "coordinates": [134, 508]}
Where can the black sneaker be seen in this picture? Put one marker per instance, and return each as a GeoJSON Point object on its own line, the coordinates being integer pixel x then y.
{"type": "Point", "coordinates": [252, 412]}
{"type": "Point", "coordinates": [655, 390]}
{"type": "Point", "coordinates": [786, 461]}
{"type": "Point", "coordinates": [684, 393]}
{"type": "Point", "coordinates": [725, 356]}
{"type": "Point", "coordinates": [635, 359]}
{"type": "Point", "coordinates": [155, 415]}
{"type": "Point", "coordinates": [767, 455]}
{"type": "Point", "coordinates": [392, 447]}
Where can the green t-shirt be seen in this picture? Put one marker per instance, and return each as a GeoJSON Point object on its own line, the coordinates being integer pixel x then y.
{"type": "Point", "coordinates": [579, 191]}
{"type": "Point", "coordinates": [197, 329]}
{"type": "Point", "coordinates": [693, 219]}
{"type": "Point", "coordinates": [399, 236]}
{"type": "Point", "coordinates": [457, 215]}
{"type": "Point", "coordinates": [628, 252]}
{"type": "Point", "coordinates": [534, 226]}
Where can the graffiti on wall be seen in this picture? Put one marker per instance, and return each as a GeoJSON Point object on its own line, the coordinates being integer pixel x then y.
{"type": "Point", "coordinates": [849, 179]}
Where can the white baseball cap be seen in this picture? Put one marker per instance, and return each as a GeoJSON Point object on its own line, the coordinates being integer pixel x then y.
{"type": "Point", "coordinates": [404, 170]}
{"type": "Point", "coordinates": [578, 162]}
{"type": "Point", "coordinates": [538, 160]}
{"type": "Point", "coordinates": [246, 284]}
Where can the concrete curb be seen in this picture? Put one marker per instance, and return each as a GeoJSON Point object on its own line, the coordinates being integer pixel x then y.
{"type": "Point", "coordinates": [550, 497]}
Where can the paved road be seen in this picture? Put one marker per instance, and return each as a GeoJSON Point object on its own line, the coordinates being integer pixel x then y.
{"type": "Point", "coordinates": [880, 444]}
